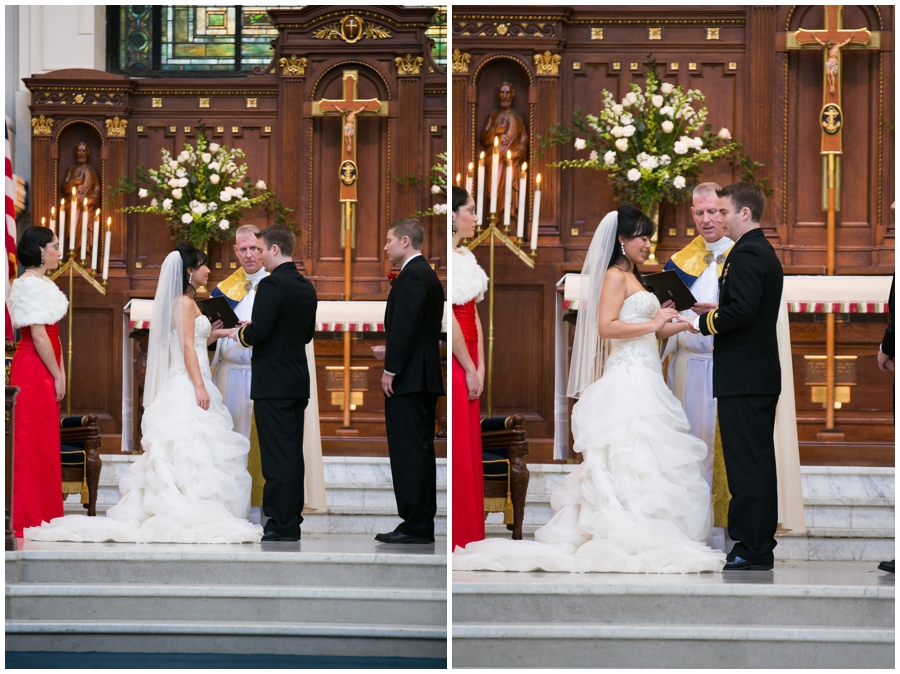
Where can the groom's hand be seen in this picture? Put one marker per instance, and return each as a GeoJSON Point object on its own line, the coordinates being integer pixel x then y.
{"type": "Point", "coordinates": [387, 384]}
{"type": "Point", "coordinates": [703, 307]}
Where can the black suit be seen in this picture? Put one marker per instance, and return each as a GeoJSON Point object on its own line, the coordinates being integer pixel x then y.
{"type": "Point", "coordinates": [746, 384]}
{"type": "Point", "coordinates": [283, 320]}
{"type": "Point", "coordinates": [412, 323]}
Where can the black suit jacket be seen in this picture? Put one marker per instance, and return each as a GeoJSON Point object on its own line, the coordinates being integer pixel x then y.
{"type": "Point", "coordinates": [283, 321]}
{"type": "Point", "coordinates": [412, 323]}
{"type": "Point", "coordinates": [745, 346]}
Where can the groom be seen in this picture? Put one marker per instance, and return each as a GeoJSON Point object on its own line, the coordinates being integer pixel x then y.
{"type": "Point", "coordinates": [412, 382]}
{"type": "Point", "coordinates": [283, 320]}
{"type": "Point", "coordinates": [747, 376]}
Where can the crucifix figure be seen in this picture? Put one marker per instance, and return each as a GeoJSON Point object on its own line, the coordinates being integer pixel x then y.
{"type": "Point", "coordinates": [349, 107]}
{"type": "Point", "coordinates": [833, 58]}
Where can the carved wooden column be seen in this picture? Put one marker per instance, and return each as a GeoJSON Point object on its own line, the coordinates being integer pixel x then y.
{"type": "Point", "coordinates": [116, 165]}
{"type": "Point", "coordinates": [545, 96]}
{"type": "Point", "coordinates": [761, 50]}
{"type": "Point", "coordinates": [409, 120]}
{"type": "Point", "coordinates": [295, 150]}
{"type": "Point", "coordinates": [461, 158]}
{"type": "Point", "coordinates": [42, 156]}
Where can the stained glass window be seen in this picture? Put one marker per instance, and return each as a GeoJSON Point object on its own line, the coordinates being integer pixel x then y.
{"type": "Point", "coordinates": [211, 39]}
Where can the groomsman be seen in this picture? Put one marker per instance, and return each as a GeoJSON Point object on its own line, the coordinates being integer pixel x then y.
{"type": "Point", "coordinates": [412, 382]}
{"type": "Point", "coordinates": [747, 375]}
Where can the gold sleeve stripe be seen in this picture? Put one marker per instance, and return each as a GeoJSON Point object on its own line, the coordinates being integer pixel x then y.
{"type": "Point", "coordinates": [241, 336]}
{"type": "Point", "coordinates": [709, 323]}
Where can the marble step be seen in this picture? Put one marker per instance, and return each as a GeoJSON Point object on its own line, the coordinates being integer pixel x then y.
{"type": "Point", "coordinates": [359, 520]}
{"type": "Point", "coordinates": [253, 603]}
{"type": "Point", "coordinates": [658, 646]}
{"type": "Point", "coordinates": [276, 638]}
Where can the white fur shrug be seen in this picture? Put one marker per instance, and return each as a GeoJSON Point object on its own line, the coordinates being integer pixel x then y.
{"type": "Point", "coordinates": [469, 280]}
{"type": "Point", "coordinates": [34, 301]}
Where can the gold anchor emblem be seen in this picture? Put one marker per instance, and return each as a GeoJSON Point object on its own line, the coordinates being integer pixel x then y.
{"type": "Point", "coordinates": [832, 119]}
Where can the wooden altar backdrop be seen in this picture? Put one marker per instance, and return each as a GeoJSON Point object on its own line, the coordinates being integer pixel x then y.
{"type": "Point", "coordinates": [768, 96]}
{"type": "Point", "coordinates": [268, 114]}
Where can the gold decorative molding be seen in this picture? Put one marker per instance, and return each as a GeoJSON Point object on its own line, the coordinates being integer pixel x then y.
{"type": "Point", "coordinates": [252, 102]}
{"type": "Point", "coordinates": [616, 66]}
{"type": "Point", "coordinates": [501, 28]}
{"type": "Point", "coordinates": [434, 129]}
{"type": "Point", "coordinates": [461, 61]}
{"type": "Point", "coordinates": [267, 129]}
{"type": "Point", "coordinates": [596, 32]}
{"type": "Point", "coordinates": [204, 101]}
{"type": "Point", "coordinates": [654, 33]}
{"type": "Point", "coordinates": [712, 34]}
{"type": "Point", "coordinates": [187, 129]}
{"type": "Point", "coordinates": [220, 129]}
{"type": "Point", "coordinates": [633, 65]}
{"type": "Point", "coordinates": [409, 64]}
{"type": "Point", "coordinates": [156, 102]}
{"type": "Point", "coordinates": [173, 129]}
{"type": "Point", "coordinates": [732, 65]}
{"type": "Point", "coordinates": [547, 63]}
{"type": "Point", "coordinates": [116, 126]}
{"type": "Point", "coordinates": [79, 98]}
{"type": "Point", "coordinates": [674, 66]}
{"type": "Point", "coordinates": [41, 126]}
{"type": "Point", "coordinates": [576, 65]}
{"type": "Point", "coordinates": [351, 29]}
{"type": "Point", "coordinates": [140, 129]}
{"type": "Point", "coordinates": [235, 129]}
{"type": "Point", "coordinates": [293, 67]}
{"type": "Point", "coordinates": [692, 66]}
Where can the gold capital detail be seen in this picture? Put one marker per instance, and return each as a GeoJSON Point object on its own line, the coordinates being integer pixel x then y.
{"type": "Point", "coordinates": [654, 33]}
{"type": "Point", "coordinates": [409, 65]}
{"type": "Point", "coordinates": [156, 102]}
{"type": "Point", "coordinates": [461, 61]}
{"type": "Point", "coordinates": [597, 32]}
{"type": "Point", "coordinates": [41, 126]}
{"type": "Point", "coordinates": [204, 101]}
{"type": "Point", "coordinates": [712, 34]}
{"type": "Point", "coordinates": [293, 67]}
{"type": "Point", "coordinates": [116, 126]}
{"type": "Point", "coordinates": [547, 63]}
{"type": "Point", "coordinates": [253, 102]}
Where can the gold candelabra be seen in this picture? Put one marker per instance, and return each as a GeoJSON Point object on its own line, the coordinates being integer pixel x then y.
{"type": "Point", "coordinates": [73, 267]}
{"type": "Point", "coordinates": [493, 232]}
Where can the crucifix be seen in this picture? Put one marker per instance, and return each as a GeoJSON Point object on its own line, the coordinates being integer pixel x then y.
{"type": "Point", "coordinates": [832, 39]}
{"type": "Point", "coordinates": [349, 107]}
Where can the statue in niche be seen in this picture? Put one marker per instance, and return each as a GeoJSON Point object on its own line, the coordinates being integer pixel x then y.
{"type": "Point", "coordinates": [509, 126]}
{"type": "Point", "coordinates": [83, 177]}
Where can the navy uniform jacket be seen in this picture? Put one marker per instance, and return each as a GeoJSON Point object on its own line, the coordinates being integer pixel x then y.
{"type": "Point", "coordinates": [412, 324]}
{"type": "Point", "coordinates": [283, 322]}
{"type": "Point", "coordinates": [745, 347]}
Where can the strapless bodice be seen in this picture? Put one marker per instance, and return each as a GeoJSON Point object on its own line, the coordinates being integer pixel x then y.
{"type": "Point", "coordinates": [637, 308]}
{"type": "Point", "coordinates": [202, 328]}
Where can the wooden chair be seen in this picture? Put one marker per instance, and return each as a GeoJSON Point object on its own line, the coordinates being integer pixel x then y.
{"type": "Point", "coordinates": [81, 464]}
{"type": "Point", "coordinates": [504, 447]}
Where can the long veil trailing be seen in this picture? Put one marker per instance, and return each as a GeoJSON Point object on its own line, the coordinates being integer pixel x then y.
{"type": "Point", "coordinates": [166, 325]}
{"type": "Point", "coordinates": [587, 350]}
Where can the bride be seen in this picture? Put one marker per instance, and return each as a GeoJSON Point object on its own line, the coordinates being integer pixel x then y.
{"type": "Point", "coordinates": [191, 484]}
{"type": "Point", "coordinates": [638, 503]}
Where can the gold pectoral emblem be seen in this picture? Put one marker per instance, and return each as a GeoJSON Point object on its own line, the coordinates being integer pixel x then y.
{"type": "Point", "coordinates": [348, 173]}
{"type": "Point", "coordinates": [832, 119]}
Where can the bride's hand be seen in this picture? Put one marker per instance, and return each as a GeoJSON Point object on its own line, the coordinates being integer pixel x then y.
{"type": "Point", "coordinates": [662, 317]}
{"type": "Point", "coordinates": [690, 325]}
{"type": "Point", "coordinates": [202, 396]}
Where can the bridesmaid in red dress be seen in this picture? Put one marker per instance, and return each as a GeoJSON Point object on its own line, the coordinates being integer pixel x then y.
{"type": "Point", "coordinates": [35, 306]}
{"type": "Point", "coordinates": [468, 285]}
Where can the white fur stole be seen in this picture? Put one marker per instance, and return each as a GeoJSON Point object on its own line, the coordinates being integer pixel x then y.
{"type": "Point", "coordinates": [469, 279]}
{"type": "Point", "coordinates": [34, 301]}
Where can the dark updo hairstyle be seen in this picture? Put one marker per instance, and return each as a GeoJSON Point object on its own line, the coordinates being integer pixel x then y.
{"type": "Point", "coordinates": [193, 258]}
{"type": "Point", "coordinates": [460, 198]}
{"type": "Point", "coordinates": [632, 224]}
{"type": "Point", "coordinates": [29, 247]}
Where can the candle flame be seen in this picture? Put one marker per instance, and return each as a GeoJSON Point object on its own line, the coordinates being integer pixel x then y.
{"type": "Point", "coordinates": [62, 204]}
{"type": "Point", "coordinates": [481, 157]}
{"type": "Point", "coordinates": [43, 222]}
{"type": "Point", "coordinates": [73, 191]}
{"type": "Point", "coordinates": [472, 165]}
{"type": "Point", "coordinates": [496, 141]}
{"type": "Point", "coordinates": [458, 179]}
{"type": "Point", "coordinates": [85, 202]}
{"type": "Point", "coordinates": [539, 179]}
{"type": "Point", "coordinates": [98, 213]}
{"type": "Point", "coordinates": [109, 222]}
{"type": "Point", "coordinates": [524, 166]}
{"type": "Point", "coordinates": [52, 212]}
{"type": "Point", "coordinates": [509, 155]}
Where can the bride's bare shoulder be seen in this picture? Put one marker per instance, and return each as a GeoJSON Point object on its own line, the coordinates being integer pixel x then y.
{"type": "Point", "coordinates": [615, 277]}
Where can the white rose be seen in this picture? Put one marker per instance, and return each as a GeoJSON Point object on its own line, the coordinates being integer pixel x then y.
{"type": "Point", "coordinates": [177, 193]}
{"type": "Point", "coordinates": [679, 182]}
{"type": "Point", "coordinates": [609, 157]}
{"type": "Point", "coordinates": [594, 155]}
{"type": "Point", "coordinates": [698, 143]}
{"type": "Point", "coordinates": [616, 132]}
{"type": "Point", "coordinates": [238, 191]}
{"type": "Point", "coordinates": [214, 166]}
{"type": "Point", "coordinates": [617, 109]}
{"type": "Point", "coordinates": [167, 204]}
{"type": "Point", "coordinates": [206, 157]}
{"type": "Point", "coordinates": [211, 206]}
{"type": "Point", "coordinates": [225, 197]}
{"type": "Point", "coordinates": [628, 131]}
{"type": "Point", "coordinates": [173, 165]}
{"type": "Point", "coordinates": [223, 224]}
{"type": "Point", "coordinates": [724, 134]}
{"type": "Point", "coordinates": [622, 144]}
{"type": "Point", "coordinates": [680, 148]}
{"type": "Point", "coordinates": [665, 160]}
{"type": "Point", "coordinates": [173, 182]}
{"type": "Point", "coordinates": [580, 144]}
{"type": "Point", "coordinates": [440, 209]}
{"type": "Point", "coordinates": [435, 189]}
{"type": "Point", "coordinates": [261, 185]}
{"type": "Point", "coordinates": [631, 98]}
{"type": "Point", "coordinates": [626, 119]}
{"type": "Point", "coordinates": [667, 111]}
{"type": "Point", "coordinates": [153, 203]}
{"type": "Point", "coordinates": [667, 126]}
{"type": "Point", "coordinates": [634, 175]}
{"type": "Point", "coordinates": [187, 218]}
{"type": "Point", "coordinates": [142, 193]}
{"type": "Point", "coordinates": [214, 179]}
{"type": "Point", "coordinates": [180, 173]}
{"type": "Point", "coordinates": [184, 156]}
{"type": "Point", "coordinates": [657, 100]}
{"type": "Point", "coordinates": [213, 147]}
{"type": "Point", "coordinates": [667, 88]}
{"type": "Point", "coordinates": [182, 182]}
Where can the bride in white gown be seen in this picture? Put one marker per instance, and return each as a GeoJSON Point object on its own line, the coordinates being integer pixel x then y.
{"type": "Point", "coordinates": [638, 503]}
{"type": "Point", "coordinates": [191, 484]}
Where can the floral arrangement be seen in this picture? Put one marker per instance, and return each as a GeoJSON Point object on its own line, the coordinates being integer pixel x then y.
{"type": "Point", "coordinates": [438, 186]}
{"type": "Point", "coordinates": [201, 192]}
{"type": "Point", "coordinates": [652, 144]}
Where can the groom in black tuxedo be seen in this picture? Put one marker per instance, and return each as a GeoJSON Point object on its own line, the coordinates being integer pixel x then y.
{"type": "Point", "coordinates": [747, 375]}
{"type": "Point", "coordinates": [412, 382]}
{"type": "Point", "coordinates": [283, 321]}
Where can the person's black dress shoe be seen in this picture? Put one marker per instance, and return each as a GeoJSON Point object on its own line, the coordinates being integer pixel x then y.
{"type": "Point", "coordinates": [273, 536]}
{"type": "Point", "coordinates": [887, 566]}
{"type": "Point", "coordinates": [741, 564]}
{"type": "Point", "coordinates": [400, 537]}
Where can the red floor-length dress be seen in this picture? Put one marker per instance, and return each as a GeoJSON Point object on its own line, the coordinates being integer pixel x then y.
{"type": "Point", "coordinates": [37, 470]}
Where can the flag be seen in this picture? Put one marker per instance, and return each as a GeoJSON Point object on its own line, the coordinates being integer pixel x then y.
{"type": "Point", "coordinates": [9, 245]}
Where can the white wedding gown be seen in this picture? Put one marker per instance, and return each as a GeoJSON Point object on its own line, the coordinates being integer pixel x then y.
{"type": "Point", "coordinates": [190, 485]}
{"type": "Point", "coordinates": [638, 503]}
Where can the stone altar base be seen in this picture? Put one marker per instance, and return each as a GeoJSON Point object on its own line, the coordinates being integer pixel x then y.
{"type": "Point", "coordinates": [326, 595]}
{"type": "Point", "coordinates": [802, 614]}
